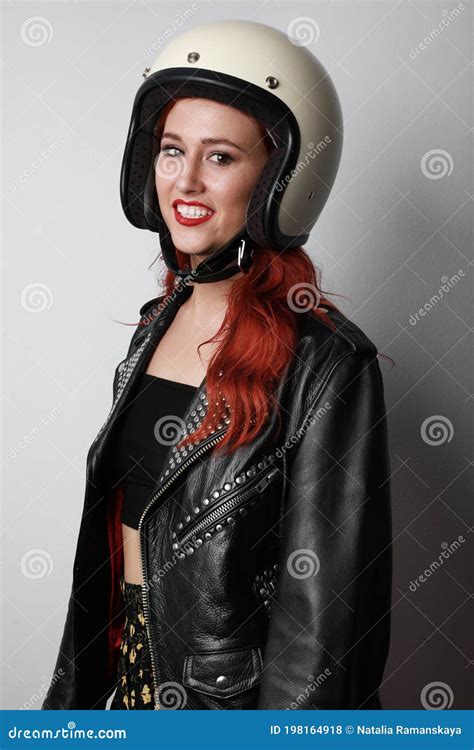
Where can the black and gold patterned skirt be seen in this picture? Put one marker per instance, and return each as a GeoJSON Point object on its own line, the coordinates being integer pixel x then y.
{"type": "Point", "coordinates": [134, 672]}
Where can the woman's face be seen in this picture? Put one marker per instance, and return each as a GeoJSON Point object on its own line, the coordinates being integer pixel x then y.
{"type": "Point", "coordinates": [211, 156]}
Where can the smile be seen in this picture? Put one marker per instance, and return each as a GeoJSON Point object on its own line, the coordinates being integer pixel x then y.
{"type": "Point", "coordinates": [192, 215]}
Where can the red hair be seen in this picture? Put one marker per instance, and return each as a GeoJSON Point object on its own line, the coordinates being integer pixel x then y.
{"type": "Point", "coordinates": [257, 337]}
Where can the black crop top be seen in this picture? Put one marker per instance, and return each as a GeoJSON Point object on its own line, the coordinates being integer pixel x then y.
{"type": "Point", "coordinates": [146, 432]}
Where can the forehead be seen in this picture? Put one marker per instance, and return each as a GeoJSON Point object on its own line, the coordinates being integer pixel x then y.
{"type": "Point", "coordinates": [193, 117]}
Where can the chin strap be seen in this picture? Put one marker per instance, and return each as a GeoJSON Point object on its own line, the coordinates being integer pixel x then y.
{"type": "Point", "coordinates": [216, 267]}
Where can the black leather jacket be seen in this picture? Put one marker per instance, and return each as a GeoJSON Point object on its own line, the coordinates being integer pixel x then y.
{"type": "Point", "coordinates": [267, 572]}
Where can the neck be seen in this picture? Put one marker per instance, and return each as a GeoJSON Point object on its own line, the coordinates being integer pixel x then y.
{"type": "Point", "coordinates": [210, 298]}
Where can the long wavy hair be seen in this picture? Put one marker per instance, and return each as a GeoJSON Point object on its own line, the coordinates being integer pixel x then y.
{"type": "Point", "coordinates": [258, 336]}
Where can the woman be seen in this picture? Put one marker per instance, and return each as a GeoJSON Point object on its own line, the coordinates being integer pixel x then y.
{"type": "Point", "coordinates": [244, 560]}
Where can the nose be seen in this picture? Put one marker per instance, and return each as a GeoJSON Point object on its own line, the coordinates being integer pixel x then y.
{"type": "Point", "coordinates": [190, 176]}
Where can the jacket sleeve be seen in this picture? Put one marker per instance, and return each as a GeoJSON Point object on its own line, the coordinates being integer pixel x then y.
{"type": "Point", "coordinates": [329, 627]}
{"type": "Point", "coordinates": [61, 692]}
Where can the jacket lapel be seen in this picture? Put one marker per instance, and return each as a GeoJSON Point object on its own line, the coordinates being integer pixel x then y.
{"type": "Point", "coordinates": [130, 370]}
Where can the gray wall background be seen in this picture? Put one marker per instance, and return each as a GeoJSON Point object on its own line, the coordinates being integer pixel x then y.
{"type": "Point", "coordinates": [396, 226]}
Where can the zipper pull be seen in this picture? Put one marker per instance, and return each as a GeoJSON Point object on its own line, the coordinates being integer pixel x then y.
{"type": "Point", "coordinates": [265, 481]}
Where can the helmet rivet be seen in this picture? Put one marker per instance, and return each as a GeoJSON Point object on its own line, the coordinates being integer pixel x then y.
{"type": "Point", "coordinates": [271, 82]}
{"type": "Point", "coordinates": [311, 195]}
{"type": "Point", "coordinates": [145, 72]}
{"type": "Point", "coordinates": [193, 57]}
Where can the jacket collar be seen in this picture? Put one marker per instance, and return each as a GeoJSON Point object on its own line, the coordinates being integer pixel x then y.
{"type": "Point", "coordinates": [132, 368]}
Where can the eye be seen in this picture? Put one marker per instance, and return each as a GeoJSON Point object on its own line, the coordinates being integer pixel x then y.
{"type": "Point", "coordinates": [227, 158]}
{"type": "Point", "coordinates": [167, 149]}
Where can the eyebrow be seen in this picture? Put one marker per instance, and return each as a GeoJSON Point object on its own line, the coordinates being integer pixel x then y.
{"type": "Point", "coordinates": [215, 141]}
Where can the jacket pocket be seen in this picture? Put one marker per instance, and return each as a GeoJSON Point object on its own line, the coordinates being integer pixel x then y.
{"type": "Point", "coordinates": [223, 674]}
{"type": "Point", "coordinates": [221, 513]}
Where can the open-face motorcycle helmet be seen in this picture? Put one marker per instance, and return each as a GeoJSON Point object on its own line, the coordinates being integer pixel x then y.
{"type": "Point", "coordinates": [266, 74]}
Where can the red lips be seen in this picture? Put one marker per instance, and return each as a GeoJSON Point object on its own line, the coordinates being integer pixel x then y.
{"type": "Point", "coordinates": [191, 203]}
{"type": "Point", "coordinates": [189, 222]}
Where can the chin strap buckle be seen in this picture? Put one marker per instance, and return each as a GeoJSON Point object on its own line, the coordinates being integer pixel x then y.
{"type": "Point", "coordinates": [245, 257]}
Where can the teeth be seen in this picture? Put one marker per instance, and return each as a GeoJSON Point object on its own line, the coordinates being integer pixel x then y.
{"type": "Point", "coordinates": [192, 212]}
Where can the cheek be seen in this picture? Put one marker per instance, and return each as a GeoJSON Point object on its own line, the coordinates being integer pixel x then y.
{"type": "Point", "coordinates": [235, 191]}
{"type": "Point", "coordinates": [162, 187]}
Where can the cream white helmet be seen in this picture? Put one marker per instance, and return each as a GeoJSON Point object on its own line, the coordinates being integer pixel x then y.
{"type": "Point", "coordinates": [261, 71]}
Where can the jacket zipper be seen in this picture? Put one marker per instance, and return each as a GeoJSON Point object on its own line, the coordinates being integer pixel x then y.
{"type": "Point", "coordinates": [224, 507]}
{"type": "Point", "coordinates": [163, 487]}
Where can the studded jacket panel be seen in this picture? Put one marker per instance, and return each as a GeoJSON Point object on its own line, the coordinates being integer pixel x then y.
{"type": "Point", "coordinates": [267, 572]}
